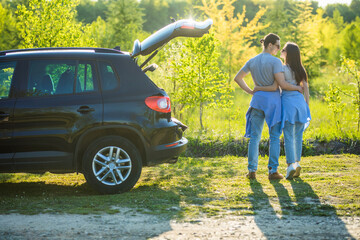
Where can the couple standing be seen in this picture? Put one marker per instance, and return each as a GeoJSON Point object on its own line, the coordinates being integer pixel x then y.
{"type": "Point", "coordinates": [284, 111]}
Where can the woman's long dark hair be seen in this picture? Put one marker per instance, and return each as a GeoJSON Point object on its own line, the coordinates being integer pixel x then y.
{"type": "Point", "coordinates": [293, 59]}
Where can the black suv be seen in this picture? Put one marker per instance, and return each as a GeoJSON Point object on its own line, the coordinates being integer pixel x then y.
{"type": "Point", "coordinates": [89, 110]}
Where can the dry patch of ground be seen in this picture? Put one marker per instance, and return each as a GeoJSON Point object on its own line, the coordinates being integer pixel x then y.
{"type": "Point", "coordinates": [128, 224]}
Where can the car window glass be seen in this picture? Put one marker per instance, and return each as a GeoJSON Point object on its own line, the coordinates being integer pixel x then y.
{"type": "Point", "coordinates": [54, 77]}
{"type": "Point", "coordinates": [108, 77]}
{"type": "Point", "coordinates": [6, 75]}
{"type": "Point", "coordinates": [86, 77]}
{"type": "Point", "coordinates": [49, 77]}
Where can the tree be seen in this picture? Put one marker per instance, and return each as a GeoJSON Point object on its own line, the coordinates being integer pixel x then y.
{"type": "Point", "coordinates": [200, 81]}
{"type": "Point", "coordinates": [159, 12]}
{"type": "Point", "coordinates": [9, 38]}
{"type": "Point", "coordinates": [280, 16]}
{"type": "Point", "coordinates": [88, 11]}
{"type": "Point", "coordinates": [169, 73]}
{"type": "Point", "coordinates": [307, 35]}
{"type": "Point", "coordinates": [352, 69]}
{"type": "Point", "coordinates": [355, 7]}
{"type": "Point", "coordinates": [51, 24]}
{"type": "Point", "coordinates": [344, 10]}
{"type": "Point", "coordinates": [156, 14]}
{"type": "Point", "coordinates": [351, 40]}
{"type": "Point", "coordinates": [329, 34]}
{"type": "Point", "coordinates": [125, 23]}
{"type": "Point", "coordinates": [100, 31]}
{"type": "Point", "coordinates": [235, 32]}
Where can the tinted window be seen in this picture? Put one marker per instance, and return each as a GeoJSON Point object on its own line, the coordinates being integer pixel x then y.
{"type": "Point", "coordinates": [108, 76]}
{"type": "Point", "coordinates": [6, 75]}
{"type": "Point", "coordinates": [86, 77]}
{"type": "Point", "coordinates": [52, 77]}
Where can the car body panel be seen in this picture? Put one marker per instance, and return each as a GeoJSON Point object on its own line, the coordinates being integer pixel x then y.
{"type": "Point", "coordinates": [49, 125]}
{"type": "Point", "coordinates": [6, 134]}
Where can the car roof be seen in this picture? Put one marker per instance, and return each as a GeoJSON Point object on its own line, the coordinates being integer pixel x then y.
{"type": "Point", "coordinates": [61, 50]}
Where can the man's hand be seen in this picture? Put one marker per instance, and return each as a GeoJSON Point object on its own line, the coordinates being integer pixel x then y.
{"type": "Point", "coordinates": [300, 89]}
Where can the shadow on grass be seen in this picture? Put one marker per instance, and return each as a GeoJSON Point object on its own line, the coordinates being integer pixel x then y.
{"type": "Point", "coordinates": [40, 197]}
{"type": "Point", "coordinates": [292, 218]}
{"type": "Point", "coordinates": [34, 189]}
{"type": "Point", "coordinates": [127, 209]}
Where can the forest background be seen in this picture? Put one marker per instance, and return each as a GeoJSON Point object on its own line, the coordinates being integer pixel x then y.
{"type": "Point", "coordinates": [197, 73]}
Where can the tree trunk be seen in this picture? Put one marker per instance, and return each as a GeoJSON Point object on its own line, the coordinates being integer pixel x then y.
{"type": "Point", "coordinates": [358, 103]}
{"type": "Point", "coordinates": [201, 112]}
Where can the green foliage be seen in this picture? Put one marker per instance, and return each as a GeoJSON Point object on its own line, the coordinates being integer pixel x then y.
{"type": "Point", "coordinates": [333, 98]}
{"type": "Point", "coordinates": [50, 24]}
{"type": "Point", "coordinates": [352, 69]}
{"type": "Point", "coordinates": [345, 11]}
{"type": "Point", "coordinates": [351, 40]}
{"type": "Point", "coordinates": [88, 11]}
{"type": "Point", "coordinates": [159, 12]}
{"type": "Point", "coordinates": [280, 16]}
{"type": "Point", "coordinates": [329, 30]}
{"type": "Point", "coordinates": [235, 32]}
{"type": "Point", "coordinates": [100, 31]}
{"type": "Point", "coordinates": [200, 81]}
{"type": "Point", "coordinates": [306, 35]}
{"type": "Point", "coordinates": [125, 23]}
{"type": "Point", "coordinates": [355, 7]}
{"type": "Point", "coordinates": [8, 33]}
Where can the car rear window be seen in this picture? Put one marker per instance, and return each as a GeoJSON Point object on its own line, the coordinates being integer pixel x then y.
{"type": "Point", "coordinates": [109, 80]}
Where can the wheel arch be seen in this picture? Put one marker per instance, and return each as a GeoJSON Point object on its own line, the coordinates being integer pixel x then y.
{"type": "Point", "coordinates": [126, 132]}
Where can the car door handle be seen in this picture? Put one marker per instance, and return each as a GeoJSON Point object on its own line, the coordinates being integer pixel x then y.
{"type": "Point", "coordinates": [85, 109]}
{"type": "Point", "coordinates": [4, 117]}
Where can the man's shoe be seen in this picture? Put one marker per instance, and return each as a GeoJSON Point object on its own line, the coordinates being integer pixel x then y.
{"type": "Point", "coordinates": [290, 171]}
{"type": "Point", "coordinates": [275, 176]}
{"type": "Point", "coordinates": [251, 175]}
{"type": "Point", "coordinates": [297, 169]}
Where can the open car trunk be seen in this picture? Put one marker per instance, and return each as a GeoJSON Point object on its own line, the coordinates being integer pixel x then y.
{"type": "Point", "coordinates": [181, 28]}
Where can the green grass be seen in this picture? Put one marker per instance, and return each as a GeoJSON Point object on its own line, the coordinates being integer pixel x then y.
{"type": "Point", "coordinates": [329, 185]}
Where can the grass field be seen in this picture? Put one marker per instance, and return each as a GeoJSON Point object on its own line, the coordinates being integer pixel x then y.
{"type": "Point", "coordinates": [329, 185]}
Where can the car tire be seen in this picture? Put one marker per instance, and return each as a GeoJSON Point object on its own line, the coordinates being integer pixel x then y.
{"type": "Point", "coordinates": [116, 174]}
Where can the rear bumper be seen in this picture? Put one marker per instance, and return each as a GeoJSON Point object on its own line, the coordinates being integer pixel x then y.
{"type": "Point", "coordinates": [167, 153]}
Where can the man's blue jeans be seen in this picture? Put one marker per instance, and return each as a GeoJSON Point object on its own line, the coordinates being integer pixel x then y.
{"type": "Point", "coordinates": [293, 136]}
{"type": "Point", "coordinates": [257, 118]}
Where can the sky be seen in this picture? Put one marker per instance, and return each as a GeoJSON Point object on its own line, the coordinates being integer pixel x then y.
{"type": "Point", "coordinates": [323, 3]}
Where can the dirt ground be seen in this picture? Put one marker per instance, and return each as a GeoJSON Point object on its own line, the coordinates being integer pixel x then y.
{"type": "Point", "coordinates": [131, 225]}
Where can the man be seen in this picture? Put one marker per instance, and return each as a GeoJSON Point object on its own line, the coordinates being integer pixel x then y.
{"type": "Point", "coordinates": [265, 69]}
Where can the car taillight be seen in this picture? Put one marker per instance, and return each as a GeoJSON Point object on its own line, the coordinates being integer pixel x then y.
{"type": "Point", "coordinates": [159, 104]}
{"type": "Point", "coordinates": [187, 27]}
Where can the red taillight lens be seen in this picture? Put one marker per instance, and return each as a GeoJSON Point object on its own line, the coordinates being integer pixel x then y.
{"type": "Point", "coordinates": [159, 104]}
{"type": "Point", "coordinates": [187, 27]}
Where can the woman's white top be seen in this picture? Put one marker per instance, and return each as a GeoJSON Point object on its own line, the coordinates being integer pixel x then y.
{"type": "Point", "coordinates": [289, 75]}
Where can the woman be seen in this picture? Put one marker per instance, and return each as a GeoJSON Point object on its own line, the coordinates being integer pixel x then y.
{"type": "Point", "coordinates": [295, 107]}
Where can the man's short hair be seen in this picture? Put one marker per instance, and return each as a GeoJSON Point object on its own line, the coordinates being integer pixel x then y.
{"type": "Point", "coordinates": [270, 38]}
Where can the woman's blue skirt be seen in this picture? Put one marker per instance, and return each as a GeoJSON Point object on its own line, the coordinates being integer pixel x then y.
{"type": "Point", "coordinates": [294, 108]}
